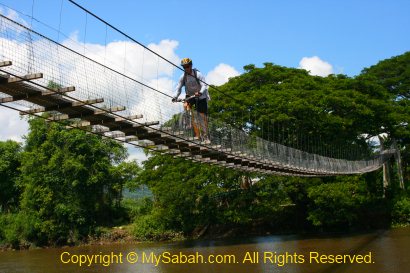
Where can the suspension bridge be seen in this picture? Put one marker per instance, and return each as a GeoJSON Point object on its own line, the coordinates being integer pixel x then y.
{"type": "Point", "coordinates": [79, 84]}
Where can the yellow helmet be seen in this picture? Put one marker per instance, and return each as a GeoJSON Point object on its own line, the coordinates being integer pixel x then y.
{"type": "Point", "coordinates": [186, 61]}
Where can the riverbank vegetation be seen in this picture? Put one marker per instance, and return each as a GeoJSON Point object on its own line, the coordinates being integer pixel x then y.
{"type": "Point", "coordinates": [64, 186]}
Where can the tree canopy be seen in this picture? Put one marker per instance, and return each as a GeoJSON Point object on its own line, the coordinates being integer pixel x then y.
{"type": "Point", "coordinates": [9, 173]}
{"type": "Point", "coordinates": [69, 183]}
{"type": "Point", "coordinates": [60, 185]}
{"type": "Point", "coordinates": [335, 115]}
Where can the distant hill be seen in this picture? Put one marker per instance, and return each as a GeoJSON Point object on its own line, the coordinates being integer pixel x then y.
{"type": "Point", "coordinates": [142, 192]}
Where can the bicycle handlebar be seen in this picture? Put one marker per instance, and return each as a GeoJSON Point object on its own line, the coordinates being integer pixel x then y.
{"type": "Point", "coordinates": [186, 99]}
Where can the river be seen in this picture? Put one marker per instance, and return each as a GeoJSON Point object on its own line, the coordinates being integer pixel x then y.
{"type": "Point", "coordinates": [385, 251]}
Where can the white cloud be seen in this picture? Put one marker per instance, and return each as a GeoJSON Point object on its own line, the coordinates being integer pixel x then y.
{"type": "Point", "coordinates": [12, 126]}
{"type": "Point", "coordinates": [95, 81]}
{"type": "Point", "coordinates": [316, 66]}
{"type": "Point", "coordinates": [134, 61]}
{"type": "Point", "coordinates": [128, 57]}
{"type": "Point", "coordinates": [92, 80]}
{"type": "Point", "coordinates": [166, 48]}
{"type": "Point", "coordinates": [13, 15]}
{"type": "Point", "coordinates": [221, 74]}
{"type": "Point", "coordinates": [136, 154]}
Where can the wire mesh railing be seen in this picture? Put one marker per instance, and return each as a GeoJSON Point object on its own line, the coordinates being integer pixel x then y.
{"type": "Point", "coordinates": [124, 73]}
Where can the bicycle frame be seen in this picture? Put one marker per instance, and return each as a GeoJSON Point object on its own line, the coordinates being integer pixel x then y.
{"type": "Point", "coordinates": [192, 119]}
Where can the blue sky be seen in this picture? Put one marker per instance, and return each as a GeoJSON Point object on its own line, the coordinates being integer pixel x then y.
{"type": "Point", "coordinates": [223, 36]}
{"type": "Point", "coordinates": [349, 35]}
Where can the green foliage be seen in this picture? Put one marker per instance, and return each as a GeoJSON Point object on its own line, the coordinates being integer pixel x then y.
{"type": "Point", "coordinates": [10, 153]}
{"type": "Point", "coordinates": [62, 184]}
{"type": "Point", "coordinates": [123, 176]}
{"type": "Point", "coordinates": [337, 204]}
{"type": "Point", "coordinates": [69, 182]}
{"type": "Point", "coordinates": [17, 230]}
{"type": "Point", "coordinates": [393, 76]}
{"type": "Point", "coordinates": [151, 228]}
{"type": "Point", "coordinates": [181, 190]}
{"type": "Point", "coordinates": [261, 202]}
{"type": "Point", "coordinates": [138, 207]}
{"type": "Point", "coordinates": [333, 113]}
{"type": "Point", "coordinates": [401, 209]}
{"type": "Point", "coordinates": [279, 104]}
{"type": "Point", "coordinates": [189, 195]}
{"type": "Point", "coordinates": [129, 171]}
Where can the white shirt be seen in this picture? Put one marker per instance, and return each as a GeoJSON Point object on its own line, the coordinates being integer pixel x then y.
{"type": "Point", "coordinates": [192, 86]}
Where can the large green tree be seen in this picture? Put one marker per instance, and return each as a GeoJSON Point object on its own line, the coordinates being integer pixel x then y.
{"type": "Point", "coordinates": [337, 116]}
{"type": "Point", "coordinates": [326, 115]}
{"type": "Point", "coordinates": [10, 153]}
{"type": "Point", "coordinates": [69, 182]}
{"type": "Point", "coordinates": [188, 195]}
{"type": "Point", "coordinates": [393, 76]}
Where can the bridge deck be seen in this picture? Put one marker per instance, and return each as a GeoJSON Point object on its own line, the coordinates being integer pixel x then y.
{"type": "Point", "coordinates": [87, 116]}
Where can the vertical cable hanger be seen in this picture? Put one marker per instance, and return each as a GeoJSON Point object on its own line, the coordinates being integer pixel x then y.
{"type": "Point", "coordinates": [84, 53]}
{"type": "Point", "coordinates": [58, 40]}
{"type": "Point", "coordinates": [30, 62]}
{"type": "Point", "coordinates": [240, 140]}
{"type": "Point", "coordinates": [32, 15]}
{"type": "Point", "coordinates": [105, 47]}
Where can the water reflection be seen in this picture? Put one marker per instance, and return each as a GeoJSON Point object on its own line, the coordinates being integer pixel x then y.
{"type": "Point", "coordinates": [284, 254]}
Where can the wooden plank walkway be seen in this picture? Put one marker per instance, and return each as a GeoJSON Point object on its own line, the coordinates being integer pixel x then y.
{"type": "Point", "coordinates": [104, 121]}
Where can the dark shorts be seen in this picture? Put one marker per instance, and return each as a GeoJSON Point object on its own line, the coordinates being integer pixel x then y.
{"type": "Point", "coordinates": [201, 105]}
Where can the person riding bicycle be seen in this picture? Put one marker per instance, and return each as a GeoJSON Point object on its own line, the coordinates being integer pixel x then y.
{"type": "Point", "coordinates": [196, 96]}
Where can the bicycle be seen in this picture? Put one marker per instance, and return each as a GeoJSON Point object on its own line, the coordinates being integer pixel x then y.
{"type": "Point", "coordinates": [193, 121]}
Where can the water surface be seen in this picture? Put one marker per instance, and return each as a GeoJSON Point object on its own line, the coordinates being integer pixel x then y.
{"type": "Point", "coordinates": [376, 252]}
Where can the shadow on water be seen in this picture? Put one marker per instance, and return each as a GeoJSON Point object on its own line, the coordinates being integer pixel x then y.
{"type": "Point", "coordinates": [354, 251]}
{"type": "Point", "coordinates": [240, 240]}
